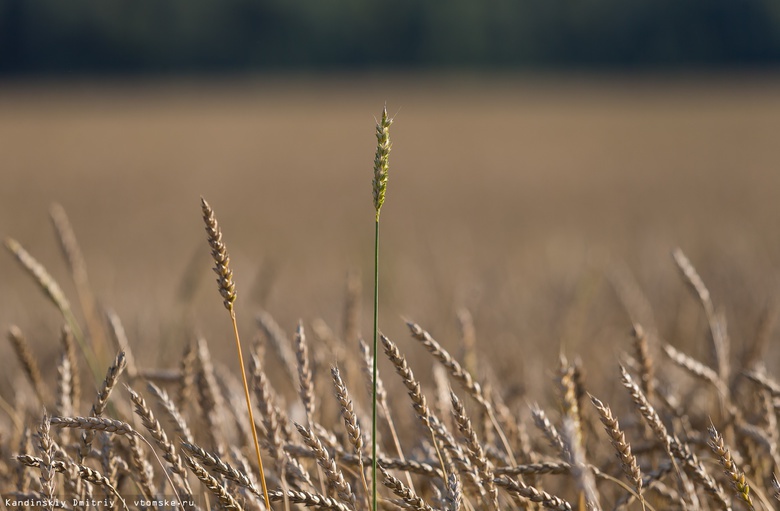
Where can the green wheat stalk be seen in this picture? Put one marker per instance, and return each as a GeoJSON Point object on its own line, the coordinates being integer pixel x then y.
{"type": "Point", "coordinates": [381, 165]}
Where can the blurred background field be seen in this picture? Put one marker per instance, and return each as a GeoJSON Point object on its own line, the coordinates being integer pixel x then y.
{"type": "Point", "coordinates": [547, 158]}
{"type": "Point", "coordinates": [522, 199]}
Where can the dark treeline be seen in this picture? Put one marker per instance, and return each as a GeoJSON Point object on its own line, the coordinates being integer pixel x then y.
{"type": "Point", "coordinates": [172, 36]}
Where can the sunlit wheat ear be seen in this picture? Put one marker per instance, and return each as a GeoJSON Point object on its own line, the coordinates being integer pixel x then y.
{"type": "Point", "coordinates": [736, 476]}
{"type": "Point", "coordinates": [622, 447]}
{"type": "Point", "coordinates": [227, 289]}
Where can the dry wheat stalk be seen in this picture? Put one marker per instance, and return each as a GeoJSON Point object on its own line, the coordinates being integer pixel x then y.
{"type": "Point", "coordinates": [550, 432]}
{"type": "Point", "coordinates": [717, 327]}
{"type": "Point", "coordinates": [99, 406]}
{"type": "Point", "coordinates": [42, 277]}
{"type": "Point", "coordinates": [646, 369]}
{"type": "Point", "coordinates": [351, 423]}
{"type": "Point", "coordinates": [227, 289]}
{"type": "Point", "coordinates": [27, 360]}
{"type": "Point", "coordinates": [406, 494]}
{"type": "Point", "coordinates": [581, 472]}
{"type": "Point", "coordinates": [69, 349]}
{"type": "Point", "coordinates": [532, 494]}
{"type": "Point", "coordinates": [153, 426]}
{"type": "Point", "coordinates": [173, 412]}
{"type": "Point", "coordinates": [94, 424]}
{"type": "Point", "coordinates": [279, 342]}
{"type": "Point", "coordinates": [64, 405]}
{"type": "Point", "coordinates": [474, 449]}
{"type": "Point", "coordinates": [120, 339]}
{"type": "Point", "coordinates": [472, 387]}
{"type": "Point", "coordinates": [308, 499]}
{"type": "Point", "coordinates": [696, 368]}
{"type": "Point", "coordinates": [216, 464]}
{"type": "Point", "coordinates": [454, 496]}
{"type": "Point", "coordinates": [468, 340]}
{"type": "Point", "coordinates": [332, 472]}
{"type": "Point", "coordinates": [622, 447]}
{"type": "Point", "coordinates": [188, 378]}
{"type": "Point", "coordinates": [737, 477]}
{"type": "Point", "coordinates": [78, 270]}
{"type": "Point", "coordinates": [305, 378]}
{"type": "Point", "coordinates": [46, 452]}
{"type": "Point", "coordinates": [212, 484]}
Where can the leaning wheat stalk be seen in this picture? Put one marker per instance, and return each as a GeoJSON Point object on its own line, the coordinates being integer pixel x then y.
{"type": "Point", "coordinates": [379, 186]}
{"type": "Point", "coordinates": [227, 289]}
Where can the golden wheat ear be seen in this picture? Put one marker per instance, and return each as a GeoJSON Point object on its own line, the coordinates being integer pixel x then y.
{"type": "Point", "coordinates": [227, 288]}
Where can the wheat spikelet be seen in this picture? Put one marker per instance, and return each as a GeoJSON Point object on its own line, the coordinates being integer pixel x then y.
{"type": "Point", "coordinates": [548, 467]}
{"type": "Point", "coordinates": [350, 422]}
{"type": "Point", "coordinates": [173, 412]}
{"type": "Point", "coordinates": [474, 449]}
{"type": "Point", "coordinates": [112, 377]}
{"type": "Point", "coordinates": [646, 369]}
{"type": "Point", "coordinates": [152, 425]}
{"type": "Point", "coordinates": [94, 424]}
{"type": "Point", "coordinates": [622, 447]}
{"type": "Point", "coordinates": [216, 464]}
{"type": "Point", "coordinates": [696, 368]}
{"type": "Point", "coordinates": [308, 499]}
{"type": "Point", "coordinates": [411, 500]}
{"type": "Point", "coordinates": [69, 350]}
{"type": "Point", "coordinates": [227, 288]}
{"type": "Point", "coordinates": [212, 484]}
{"type": "Point", "coordinates": [736, 476]}
{"type": "Point", "coordinates": [46, 451]}
{"type": "Point", "coordinates": [532, 494]}
{"type": "Point", "coordinates": [332, 472]}
{"type": "Point", "coordinates": [27, 359]}
{"type": "Point", "coordinates": [305, 379]}
{"type": "Point", "coordinates": [381, 161]}
{"type": "Point", "coordinates": [550, 432]}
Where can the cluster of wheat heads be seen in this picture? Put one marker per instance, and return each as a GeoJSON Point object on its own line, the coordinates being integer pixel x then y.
{"type": "Point", "coordinates": [196, 435]}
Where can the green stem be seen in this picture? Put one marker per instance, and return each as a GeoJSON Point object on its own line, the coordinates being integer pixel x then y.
{"type": "Point", "coordinates": [376, 332]}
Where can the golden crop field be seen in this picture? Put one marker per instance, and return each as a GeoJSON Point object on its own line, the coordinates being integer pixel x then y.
{"type": "Point", "coordinates": [548, 208]}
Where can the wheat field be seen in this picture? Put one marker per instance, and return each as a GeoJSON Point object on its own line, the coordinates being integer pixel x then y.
{"type": "Point", "coordinates": [578, 293]}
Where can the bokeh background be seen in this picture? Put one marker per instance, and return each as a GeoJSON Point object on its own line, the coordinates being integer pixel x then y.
{"type": "Point", "coordinates": [548, 157]}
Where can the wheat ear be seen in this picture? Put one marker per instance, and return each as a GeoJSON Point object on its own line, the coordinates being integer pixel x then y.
{"type": "Point", "coordinates": [54, 292]}
{"type": "Point", "coordinates": [78, 271]}
{"type": "Point", "coordinates": [27, 359]}
{"type": "Point", "coordinates": [736, 476]}
{"type": "Point", "coordinates": [379, 188]}
{"type": "Point", "coordinates": [227, 289]}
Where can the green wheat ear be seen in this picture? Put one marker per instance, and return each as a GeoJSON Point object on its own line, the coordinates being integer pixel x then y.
{"type": "Point", "coordinates": [381, 166]}
{"type": "Point", "coordinates": [381, 161]}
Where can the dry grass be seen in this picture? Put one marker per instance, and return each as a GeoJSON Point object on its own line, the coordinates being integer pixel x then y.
{"type": "Point", "coordinates": [696, 397]}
